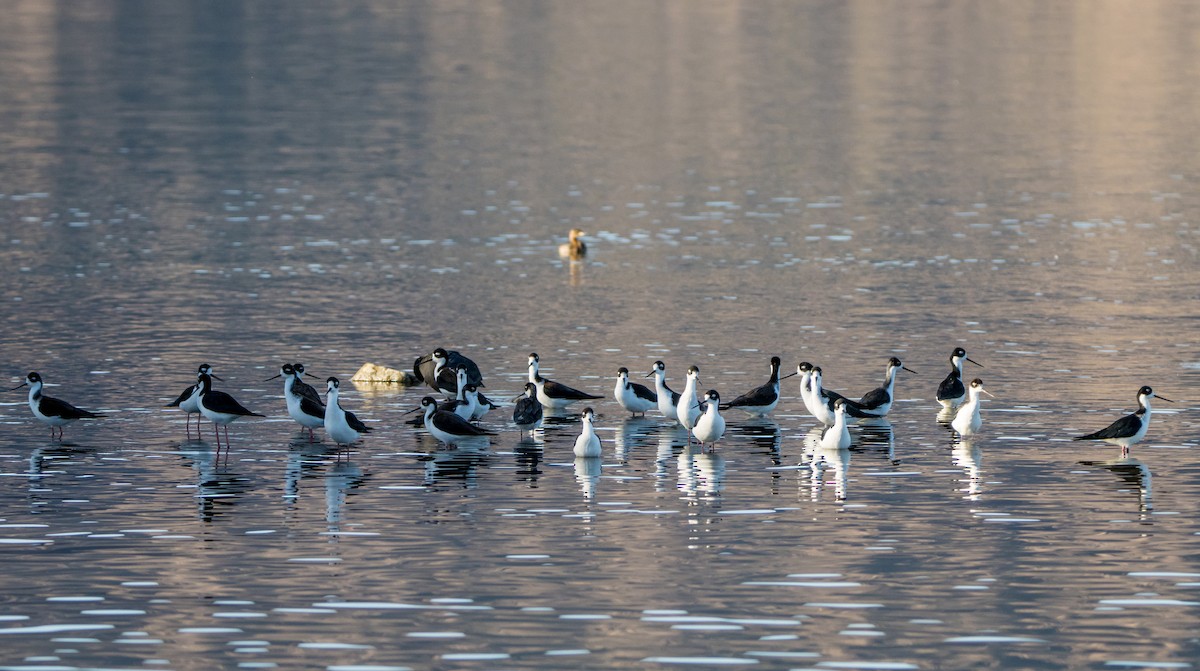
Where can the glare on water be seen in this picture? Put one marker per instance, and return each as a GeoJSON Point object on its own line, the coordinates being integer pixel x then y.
{"type": "Point", "coordinates": [838, 183]}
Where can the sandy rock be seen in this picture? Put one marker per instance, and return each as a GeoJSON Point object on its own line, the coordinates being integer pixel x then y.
{"type": "Point", "coordinates": [371, 372]}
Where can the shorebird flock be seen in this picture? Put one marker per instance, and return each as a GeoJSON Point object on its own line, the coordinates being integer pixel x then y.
{"type": "Point", "coordinates": [457, 379]}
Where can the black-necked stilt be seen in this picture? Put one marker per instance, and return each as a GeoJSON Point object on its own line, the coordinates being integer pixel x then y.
{"type": "Point", "coordinates": [968, 420]}
{"type": "Point", "coordinates": [308, 413]}
{"type": "Point", "coordinates": [574, 248]}
{"type": "Point", "coordinates": [634, 397]}
{"type": "Point", "coordinates": [437, 371]}
{"type": "Point", "coordinates": [341, 425]}
{"type": "Point", "coordinates": [1129, 429]}
{"type": "Point", "coordinates": [220, 408]}
{"type": "Point", "coordinates": [447, 426]}
{"type": "Point", "coordinates": [303, 388]}
{"type": "Point", "coordinates": [951, 391]}
{"type": "Point", "coordinates": [588, 443]}
{"type": "Point", "coordinates": [51, 411]}
{"type": "Point", "coordinates": [553, 394]}
{"type": "Point", "coordinates": [821, 398]}
{"type": "Point", "coordinates": [527, 413]}
{"type": "Point", "coordinates": [710, 426]}
{"type": "Point", "coordinates": [760, 401]}
{"type": "Point", "coordinates": [461, 404]}
{"type": "Point", "coordinates": [189, 400]}
{"type": "Point", "coordinates": [668, 400]}
{"type": "Point", "coordinates": [837, 436]}
{"type": "Point", "coordinates": [878, 402]}
{"type": "Point", "coordinates": [805, 370]}
{"type": "Point", "coordinates": [687, 411]}
{"type": "Point", "coordinates": [482, 404]}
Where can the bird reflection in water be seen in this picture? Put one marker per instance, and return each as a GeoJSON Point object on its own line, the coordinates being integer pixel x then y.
{"type": "Point", "coordinates": [457, 465]}
{"type": "Point", "coordinates": [587, 474]}
{"type": "Point", "coordinates": [633, 431]}
{"type": "Point", "coordinates": [528, 455]}
{"type": "Point", "coordinates": [824, 462]}
{"type": "Point", "coordinates": [766, 437]}
{"type": "Point", "coordinates": [966, 455]}
{"type": "Point", "coordinates": [216, 486]}
{"type": "Point", "coordinates": [1132, 473]}
{"type": "Point", "coordinates": [55, 456]}
{"type": "Point", "coordinates": [303, 460]}
{"type": "Point", "coordinates": [701, 474]}
{"type": "Point", "coordinates": [340, 482]}
{"type": "Point", "coordinates": [670, 438]}
{"type": "Point", "coordinates": [877, 436]}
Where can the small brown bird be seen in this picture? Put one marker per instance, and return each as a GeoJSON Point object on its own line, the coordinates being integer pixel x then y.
{"type": "Point", "coordinates": [574, 248]}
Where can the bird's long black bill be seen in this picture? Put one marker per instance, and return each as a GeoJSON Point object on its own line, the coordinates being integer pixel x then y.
{"type": "Point", "coordinates": [25, 384]}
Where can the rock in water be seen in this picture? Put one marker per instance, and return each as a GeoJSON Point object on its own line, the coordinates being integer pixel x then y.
{"type": "Point", "coordinates": [371, 372]}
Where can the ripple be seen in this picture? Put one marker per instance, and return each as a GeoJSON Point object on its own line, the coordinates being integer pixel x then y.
{"type": "Point", "coordinates": [701, 661]}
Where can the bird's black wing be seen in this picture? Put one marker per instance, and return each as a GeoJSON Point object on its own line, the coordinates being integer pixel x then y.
{"type": "Point", "coordinates": [1126, 426]}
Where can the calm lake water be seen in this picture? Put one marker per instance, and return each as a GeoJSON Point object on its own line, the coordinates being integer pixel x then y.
{"type": "Point", "coordinates": [246, 184]}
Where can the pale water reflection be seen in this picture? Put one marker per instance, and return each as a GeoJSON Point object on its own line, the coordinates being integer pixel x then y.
{"type": "Point", "coordinates": [833, 182]}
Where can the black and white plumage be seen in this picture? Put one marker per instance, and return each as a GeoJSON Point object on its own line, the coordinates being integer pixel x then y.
{"type": "Point", "coordinates": [688, 410]}
{"type": "Point", "coordinates": [952, 391]}
{"type": "Point", "coordinates": [968, 420]}
{"type": "Point", "coordinates": [821, 398]}
{"type": "Point", "coordinates": [760, 401]}
{"type": "Point", "coordinates": [437, 370]}
{"type": "Point", "coordinates": [1130, 429]}
{"type": "Point", "coordinates": [837, 435]}
{"type": "Point", "coordinates": [878, 401]}
{"type": "Point", "coordinates": [527, 413]}
{"type": "Point", "coordinates": [308, 413]}
{"type": "Point", "coordinates": [587, 444]}
{"type": "Point", "coordinates": [668, 400]}
{"type": "Point", "coordinates": [341, 425]}
{"type": "Point", "coordinates": [461, 404]}
{"type": "Point", "coordinates": [710, 427]}
{"type": "Point", "coordinates": [189, 400]}
{"type": "Point", "coordinates": [448, 427]}
{"type": "Point", "coordinates": [634, 397]}
{"type": "Point", "coordinates": [552, 394]}
{"type": "Point", "coordinates": [220, 408]}
{"type": "Point", "coordinates": [303, 388]}
{"type": "Point", "coordinates": [481, 405]}
{"type": "Point", "coordinates": [51, 411]}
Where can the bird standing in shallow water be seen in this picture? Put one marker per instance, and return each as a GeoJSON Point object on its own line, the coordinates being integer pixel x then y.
{"type": "Point", "coordinates": [308, 413]}
{"type": "Point", "coordinates": [837, 436]}
{"type": "Point", "coordinates": [340, 425]}
{"type": "Point", "coordinates": [51, 411]}
{"type": "Point", "coordinates": [527, 413]}
{"type": "Point", "coordinates": [574, 248]}
{"type": "Point", "coordinates": [1130, 429]}
{"type": "Point", "coordinates": [552, 394]}
{"type": "Point", "coordinates": [761, 400]}
{"type": "Point", "coordinates": [951, 391]}
{"type": "Point", "coordinates": [878, 401]}
{"type": "Point", "coordinates": [634, 397]}
{"type": "Point", "coordinates": [220, 408]}
{"type": "Point", "coordinates": [688, 410]}
{"type": "Point", "coordinates": [588, 443]}
{"type": "Point", "coordinates": [968, 420]}
{"type": "Point", "coordinates": [447, 426]}
{"type": "Point", "coordinates": [710, 427]}
{"type": "Point", "coordinates": [189, 400]}
{"type": "Point", "coordinates": [668, 400]}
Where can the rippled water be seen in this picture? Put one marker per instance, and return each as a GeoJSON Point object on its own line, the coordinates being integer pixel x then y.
{"type": "Point", "coordinates": [832, 182]}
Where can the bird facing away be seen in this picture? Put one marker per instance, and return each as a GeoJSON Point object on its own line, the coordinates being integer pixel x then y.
{"type": "Point", "coordinates": [588, 443]}
{"type": "Point", "coordinates": [634, 397]}
{"type": "Point", "coordinates": [688, 409]}
{"type": "Point", "coordinates": [527, 413]}
{"type": "Point", "coordinates": [710, 426]}
{"type": "Point", "coordinates": [968, 420]}
{"type": "Point", "coordinates": [760, 401]}
{"type": "Point", "coordinates": [340, 425]}
{"type": "Point", "coordinates": [1130, 429]}
{"type": "Point", "coordinates": [189, 400]}
{"type": "Point", "coordinates": [668, 400]}
{"type": "Point", "coordinates": [574, 248]}
{"type": "Point", "coordinates": [951, 391]}
{"type": "Point", "coordinates": [51, 411]}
